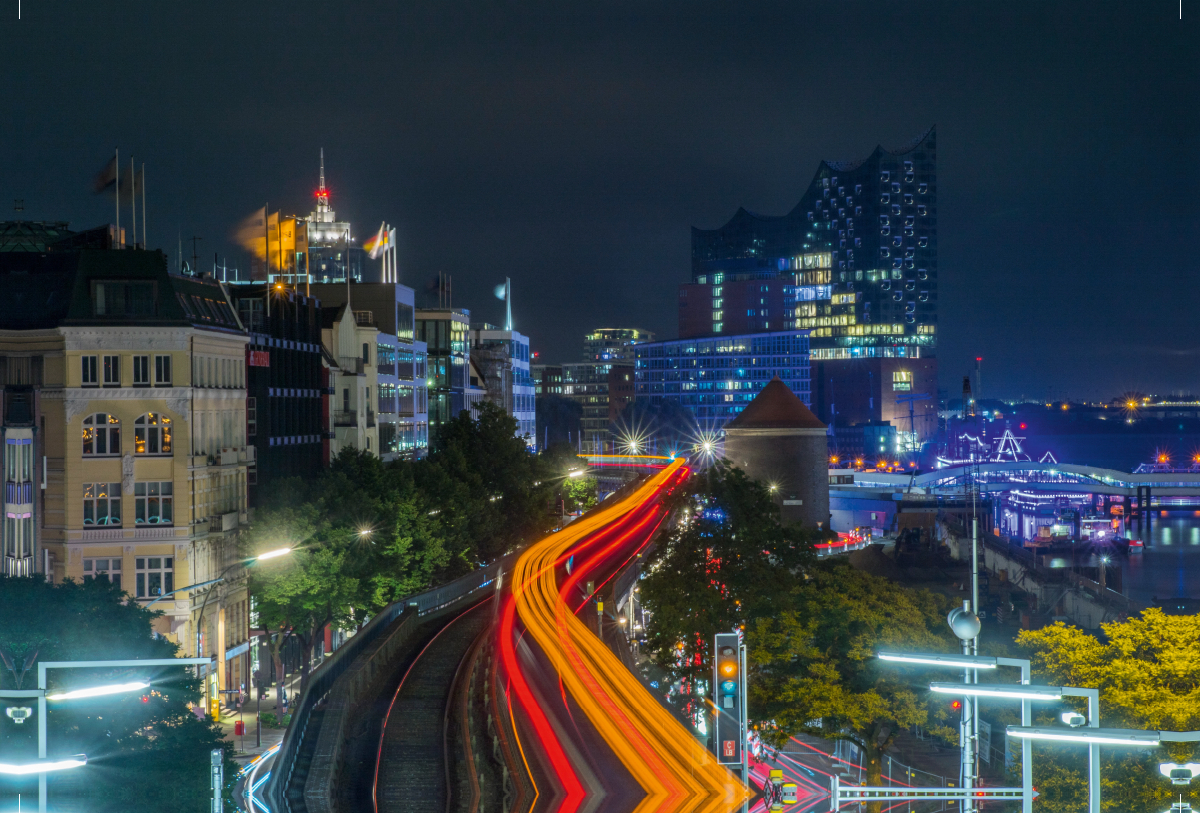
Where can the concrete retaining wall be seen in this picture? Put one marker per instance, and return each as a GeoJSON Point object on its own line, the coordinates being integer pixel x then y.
{"type": "Point", "coordinates": [1081, 600]}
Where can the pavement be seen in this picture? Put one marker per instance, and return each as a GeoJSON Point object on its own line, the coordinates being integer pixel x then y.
{"type": "Point", "coordinates": [248, 747]}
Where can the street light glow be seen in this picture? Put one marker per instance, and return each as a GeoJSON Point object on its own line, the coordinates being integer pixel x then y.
{"type": "Point", "coordinates": [933, 659]}
{"type": "Point", "coordinates": [271, 554]}
{"type": "Point", "coordinates": [99, 691]}
{"type": "Point", "coordinates": [10, 769]}
{"type": "Point", "coordinates": [1018, 692]}
{"type": "Point", "coordinates": [1101, 736]}
{"type": "Point", "coordinates": [576, 473]}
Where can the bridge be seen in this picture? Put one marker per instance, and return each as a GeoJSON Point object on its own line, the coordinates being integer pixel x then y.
{"type": "Point", "coordinates": [1058, 478]}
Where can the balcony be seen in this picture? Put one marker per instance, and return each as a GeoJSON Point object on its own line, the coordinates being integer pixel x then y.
{"type": "Point", "coordinates": [345, 418]}
{"type": "Point", "coordinates": [351, 366]}
{"type": "Point", "coordinates": [364, 318]}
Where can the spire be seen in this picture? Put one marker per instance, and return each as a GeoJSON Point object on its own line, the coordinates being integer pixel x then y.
{"type": "Point", "coordinates": [322, 192]}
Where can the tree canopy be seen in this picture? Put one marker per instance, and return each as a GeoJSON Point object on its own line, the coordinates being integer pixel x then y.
{"type": "Point", "coordinates": [368, 533]}
{"type": "Point", "coordinates": [811, 627]}
{"type": "Point", "coordinates": [127, 737]}
{"type": "Point", "coordinates": [1145, 668]}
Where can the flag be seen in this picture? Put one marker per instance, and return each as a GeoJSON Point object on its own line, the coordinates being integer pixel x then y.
{"type": "Point", "coordinates": [501, 290]}
{"type": "Point", "coordinates": [106, 179]}
{"type": "Point", "coordinates": [251, 234]}
{"type": "Point", "coordinates": [273, 241]}
{"type": "Point", "coordinates": [377, 244]}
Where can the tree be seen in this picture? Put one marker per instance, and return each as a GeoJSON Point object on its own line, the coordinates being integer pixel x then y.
{"type": "Point", "coordinates": [812, 628]}
{"type": "Point", "coordinates": [1145, 669]}
{"type": "Point", "coordinates": [129, 737]}
{"type": "Point", "coordinates": [813, 668]}
{"type": "Point", "coordinates": [729, 560]}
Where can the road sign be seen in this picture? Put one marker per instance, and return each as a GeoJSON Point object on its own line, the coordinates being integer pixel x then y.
{"type": "Point", "coordinates": [728, 714]}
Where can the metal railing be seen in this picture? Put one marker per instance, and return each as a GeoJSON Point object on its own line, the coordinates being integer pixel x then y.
{"type": "Point", "coordinates": [321, 681]}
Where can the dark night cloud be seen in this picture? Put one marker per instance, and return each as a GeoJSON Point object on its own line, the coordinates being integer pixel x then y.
{"type": "Point", "coordinates": [571, 146]}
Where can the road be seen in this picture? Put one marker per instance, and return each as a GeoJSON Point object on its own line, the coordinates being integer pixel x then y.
{"type": "Point", "coordinates": [601, 741]}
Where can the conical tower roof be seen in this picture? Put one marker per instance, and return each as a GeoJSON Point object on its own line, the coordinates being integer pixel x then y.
{"type": "Point", "coordinates": [776, 407]}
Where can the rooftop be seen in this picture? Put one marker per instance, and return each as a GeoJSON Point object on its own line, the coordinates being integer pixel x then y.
{"type": "Point", "coordinates": [776, 407]}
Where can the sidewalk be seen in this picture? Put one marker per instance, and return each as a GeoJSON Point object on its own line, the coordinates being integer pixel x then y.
{"type": "Point", "coordinates": [245, 746]}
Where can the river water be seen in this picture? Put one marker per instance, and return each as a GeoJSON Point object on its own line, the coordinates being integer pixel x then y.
{"type": "Point", "coordinates": [1170, 565]}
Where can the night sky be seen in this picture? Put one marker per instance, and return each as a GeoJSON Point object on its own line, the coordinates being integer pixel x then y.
{"type": "Point", "coordinates": [571, 146]}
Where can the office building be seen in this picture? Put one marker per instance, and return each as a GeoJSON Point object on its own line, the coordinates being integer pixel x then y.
{"type": "Point", "coordinates": [501, 358]}
{"type": "Point", "coordinates": [401, 394]}
{"type": "Point", "coordinates": [547, 379]}
{"type": "Point", "coordinates": [124, 417]}
{"type": "Point", "coordinates": [855, 262]}
{"type": "Point", "coordinates": [445, 332]}
{"type": "Point", "coordinates": [602, 389]}
{"type": "Point", "coordinates": [898, 391]}
{"type": "Point", "coordinates": [715, 378]}
{"type": "Point", "coordinates": [613, 343]}
{"type": "Point", "coordinates": [287, 382]}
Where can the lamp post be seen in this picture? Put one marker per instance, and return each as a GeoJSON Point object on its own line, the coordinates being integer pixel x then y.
{"type": "Point", "coordinates": [1025, 694]}
{"type": "Point", "coordinates": [220, 578]}
{"type": "Point", "coordinates": [44, 765]}
{"type": "Point", "coordinates": [975, 663]}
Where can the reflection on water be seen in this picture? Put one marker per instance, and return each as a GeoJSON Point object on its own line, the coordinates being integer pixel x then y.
{"type": "Point", "coordinates": [1170, 565]}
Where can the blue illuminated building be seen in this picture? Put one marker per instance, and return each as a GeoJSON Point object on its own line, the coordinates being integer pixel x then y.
{"type": "Point", "coordinates": [855, 262]}
{"type": "Point", "coordinates": [715, 378]}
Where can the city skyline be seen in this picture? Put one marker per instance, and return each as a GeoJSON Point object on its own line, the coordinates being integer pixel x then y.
{"type": "Point", "coordinates": [1064, 180]}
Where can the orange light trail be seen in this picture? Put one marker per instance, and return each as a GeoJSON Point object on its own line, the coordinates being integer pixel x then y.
{"type": "Point", "coordinates": [676, 773]}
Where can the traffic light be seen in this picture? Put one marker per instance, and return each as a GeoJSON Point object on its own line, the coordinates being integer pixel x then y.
{"type": "Point", "coordinates": [728, 715]}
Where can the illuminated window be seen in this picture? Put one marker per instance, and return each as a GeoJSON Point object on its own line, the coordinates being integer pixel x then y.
{"type": "Point", "coordinates": [901, 381]}
{"type": "Point", "coordinates": [101, 503]}
{"type": "Point", "coordinates": [101, 435]}
{"type": "Point", "coordinates": [153, 503]}
{"type": "Point", "coordinates": [152, 434]}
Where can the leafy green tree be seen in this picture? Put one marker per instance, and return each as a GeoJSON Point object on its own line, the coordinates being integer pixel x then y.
{"type": "Point", "coordinates": [145, 750]}
{"type": "Point", "coordinates": [727, 561]}
{"type": "Point", "coordinates": [812, 628]}
{"type": "Point", "coordinates": [1145, 668]}
{"type": "Point", "coordinates": [813, 667]}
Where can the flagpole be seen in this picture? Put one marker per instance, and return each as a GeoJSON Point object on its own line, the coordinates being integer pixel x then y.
{"type": "Point", "coordinates": [145, 242]}
{"type": "Point", "coordinates": [117, 167]}
{"type": "Point", "coordinates": [133, 198]}
{"type": "Point", "coordinates": [267, 254]}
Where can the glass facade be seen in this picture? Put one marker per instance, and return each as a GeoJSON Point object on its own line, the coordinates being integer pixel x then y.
{"type": "Point", "coordinates": [857, 257]}
{"type": "Point", "coordinates": [444, 333]}
{"type": "Point", "coordinates": [717, 377]}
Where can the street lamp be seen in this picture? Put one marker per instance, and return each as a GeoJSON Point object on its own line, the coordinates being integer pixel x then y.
{"type": "Point", "coordinates": [1092, 736]}
{"type": "Point", "coordinates": [43, 766]}
{"type": "Point", "coordinates": [1018, 692]}
{"type": "Point", "coordinates": [271, 554]}
{"type": "Point", "coordinates": [99, 691]}
{"type": "Point", "coordinates": [934, 659]}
